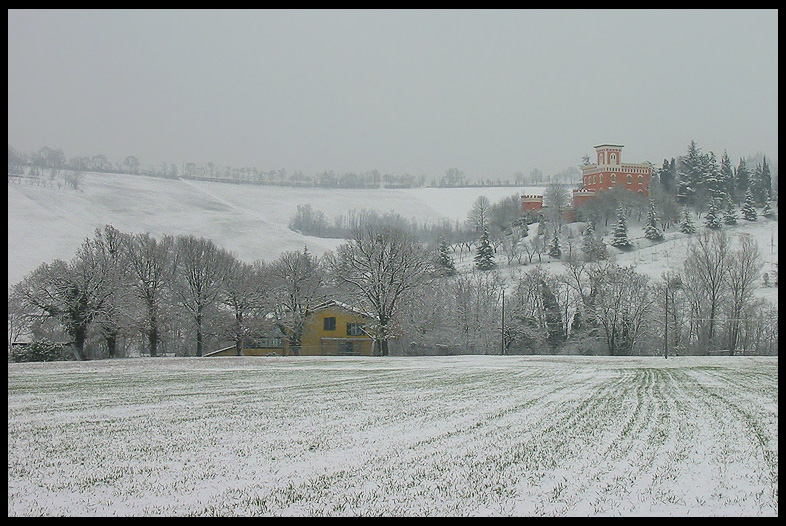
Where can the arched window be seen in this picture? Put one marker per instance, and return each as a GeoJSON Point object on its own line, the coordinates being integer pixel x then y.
{"type": "Point", "coordinates": [630, 179]}
{"type": "Point", "coordinates": [600, 158]}
{"type": "Point", "coordinates": [613, 178]}
{"type": "Point", "coordinates": [612, 158]}
{"type": "Point", "coordinates": [641, 179]}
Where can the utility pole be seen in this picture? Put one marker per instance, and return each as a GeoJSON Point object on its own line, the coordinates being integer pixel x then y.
{"type": "Point", "coordinates": [670, 282]}
{"type": "Point", "coordinates": [503, 321]}
{"type": "Point", "coordinates": [666, 325]}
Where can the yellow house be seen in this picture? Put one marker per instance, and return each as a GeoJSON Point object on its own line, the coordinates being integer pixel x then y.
{"type": "Point", "coordinates": [332, 329]}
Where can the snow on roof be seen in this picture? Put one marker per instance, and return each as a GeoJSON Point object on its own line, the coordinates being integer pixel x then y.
{"type": "Point", "coordinates": [350, 308]}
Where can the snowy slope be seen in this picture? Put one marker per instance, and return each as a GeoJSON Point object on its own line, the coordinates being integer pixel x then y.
{"type": "Point", "coordinates": [47, 223]}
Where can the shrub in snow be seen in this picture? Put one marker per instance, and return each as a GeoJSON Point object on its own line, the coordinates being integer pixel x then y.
{"type": "Point", "coordinates": [444, 263]}
{"type": "Point", "coordinates": [686, 224]}
{"type": "Point", "coordinates": [768, 211]}
{"type": "Point", "coordinates": [42, 350]}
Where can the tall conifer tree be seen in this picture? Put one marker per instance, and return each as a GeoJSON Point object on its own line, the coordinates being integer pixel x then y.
{"type": "Point", "coordinates": [484, 259]}
{"type": "Point", "coordinates": [686, 224]}
{"type": "Point", "coordinates": [651, 230]}
{"type": "Point", "coordinates": [749, 207]}
{"type": "Point", "coordinates": [620, 234]}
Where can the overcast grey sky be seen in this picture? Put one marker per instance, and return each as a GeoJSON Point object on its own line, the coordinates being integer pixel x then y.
{"type": "Point", "coordinates": [488, 92]}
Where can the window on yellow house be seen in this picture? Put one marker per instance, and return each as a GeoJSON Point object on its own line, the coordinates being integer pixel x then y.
{"type": "Point", "coordinates": [330, 324]}
{"type": "Point", "coordinates": [354, 329]}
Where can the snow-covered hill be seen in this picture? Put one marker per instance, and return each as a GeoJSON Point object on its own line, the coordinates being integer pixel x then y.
{"type": "Point", "coordinates": [45, 223]}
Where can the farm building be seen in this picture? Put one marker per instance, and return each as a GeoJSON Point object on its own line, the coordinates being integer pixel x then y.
{"type": "Point", "coordinates": [332, 329]}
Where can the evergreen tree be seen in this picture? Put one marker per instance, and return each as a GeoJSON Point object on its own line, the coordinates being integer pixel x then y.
{"type": "Point", "coordinates": [749, 209]}
{"type": "Point", "coordinates": [756, 187]}
{"type": "Point", "coordinates": [651, 230]}
{"type": "Point", "coordinates": [524, 229]}
{"type": "Point", "coordinates": [686, 224]}
{"type": "Point", "coordinates": [766, 179]}
{"type": "Point", "coordinates": [711, 219]}
{"type": "Point", "coordinates": [713, 182]}
{"type": "Point", "coordinates": [742, 179]}
{"type": "Point", "coordinates": [484, 259]}
{"type": "Point", "coordinates": [768, 212]}
{"type": "Point", "coordinates": [594, 247]}
{"type": "Point", "coordinates": [554, 250]}
{"type": "Point", "coordinates": [761, 183]}
{"type": "Point", "coordinates": [588, 237]}
{"type": "Point", "coordinates": [692, 173]}
{"type": "Point", "coordinates": [667, 175]}
{"type": "Point", "coordinates": [620, 233]}
{"type": "Point", "coordinates": [730, 215]}
{"type": "Point", "coordinates": [445, 265]}
{"type": "Point", "coordinates": [727, 175]}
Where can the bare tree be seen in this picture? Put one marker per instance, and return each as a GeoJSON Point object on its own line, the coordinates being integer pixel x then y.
{"type": "Point", "coordinates": [74, 293]}
{"type": "Point", "coordinates": [706, 283]}
{"type": "Point", "coordinates": [556, 200]}
{"type": "Point", "coordinates": [621, 304]}
{"type": "Point", "coordinates": [527, 322]}
{"type": "Point", "coordinates": [73, 178]}
{"type": "Point", "coordinates": [479, 215]}
{"type": "Point", "coordinates": [110, 250]}
{"type": "Point", "coordinates": [381, 264]}
{"type": "Point", "coordinates": [247, 294]}
{"type": "Point", "coordinates": [18, 322]}
{"type": "Point", "coordinates": [200, 270]}
{"type": "Point", "coordinates": [476, 318]}
{"type": "Point", "coordinates": [151, 267]}
{"type": "Point", "coordinates": [743, 269]}
{"type": "Point", "coordinates": [132, 163]}
{"type": "Point", "coordinates": [299, 285]}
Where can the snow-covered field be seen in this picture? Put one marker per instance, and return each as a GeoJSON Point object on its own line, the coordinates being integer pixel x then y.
{"type": "Point", "coordinates": [474, 435]}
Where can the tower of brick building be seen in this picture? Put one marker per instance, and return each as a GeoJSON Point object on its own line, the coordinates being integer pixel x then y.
{"type": "Point", "coordinates": [609, 171]}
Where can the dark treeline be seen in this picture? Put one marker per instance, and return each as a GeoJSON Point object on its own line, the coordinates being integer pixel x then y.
{"type": "Point", "coordinates": [51, 164]}
{"type": "Point", "coordinates": [500, 218]}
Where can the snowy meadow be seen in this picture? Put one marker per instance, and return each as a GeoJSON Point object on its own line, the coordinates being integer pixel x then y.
{"type": "Point", "coordinates": [455, 436]}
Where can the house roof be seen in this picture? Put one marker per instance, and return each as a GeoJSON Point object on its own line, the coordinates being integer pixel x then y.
{"type": "Point", "coordinates": [350, 308]}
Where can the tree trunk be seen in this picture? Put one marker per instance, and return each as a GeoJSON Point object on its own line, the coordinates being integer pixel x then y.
{"type": "Point", "coordinates": [111, 344]}
{"type": "Point", "coordinates": [199, 333]}
{"type": "Point", "coordinates": [152, 338]}
{"type": "Point", "coordinates": [152, 333]}
{"type": "Point", "coordinates": [77, 346]}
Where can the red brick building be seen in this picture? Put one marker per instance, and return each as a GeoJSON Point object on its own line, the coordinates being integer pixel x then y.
{"type": "Point", "coordinates": [530, 202]}
{"type": "Point", "coordinates": [607, 172]}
